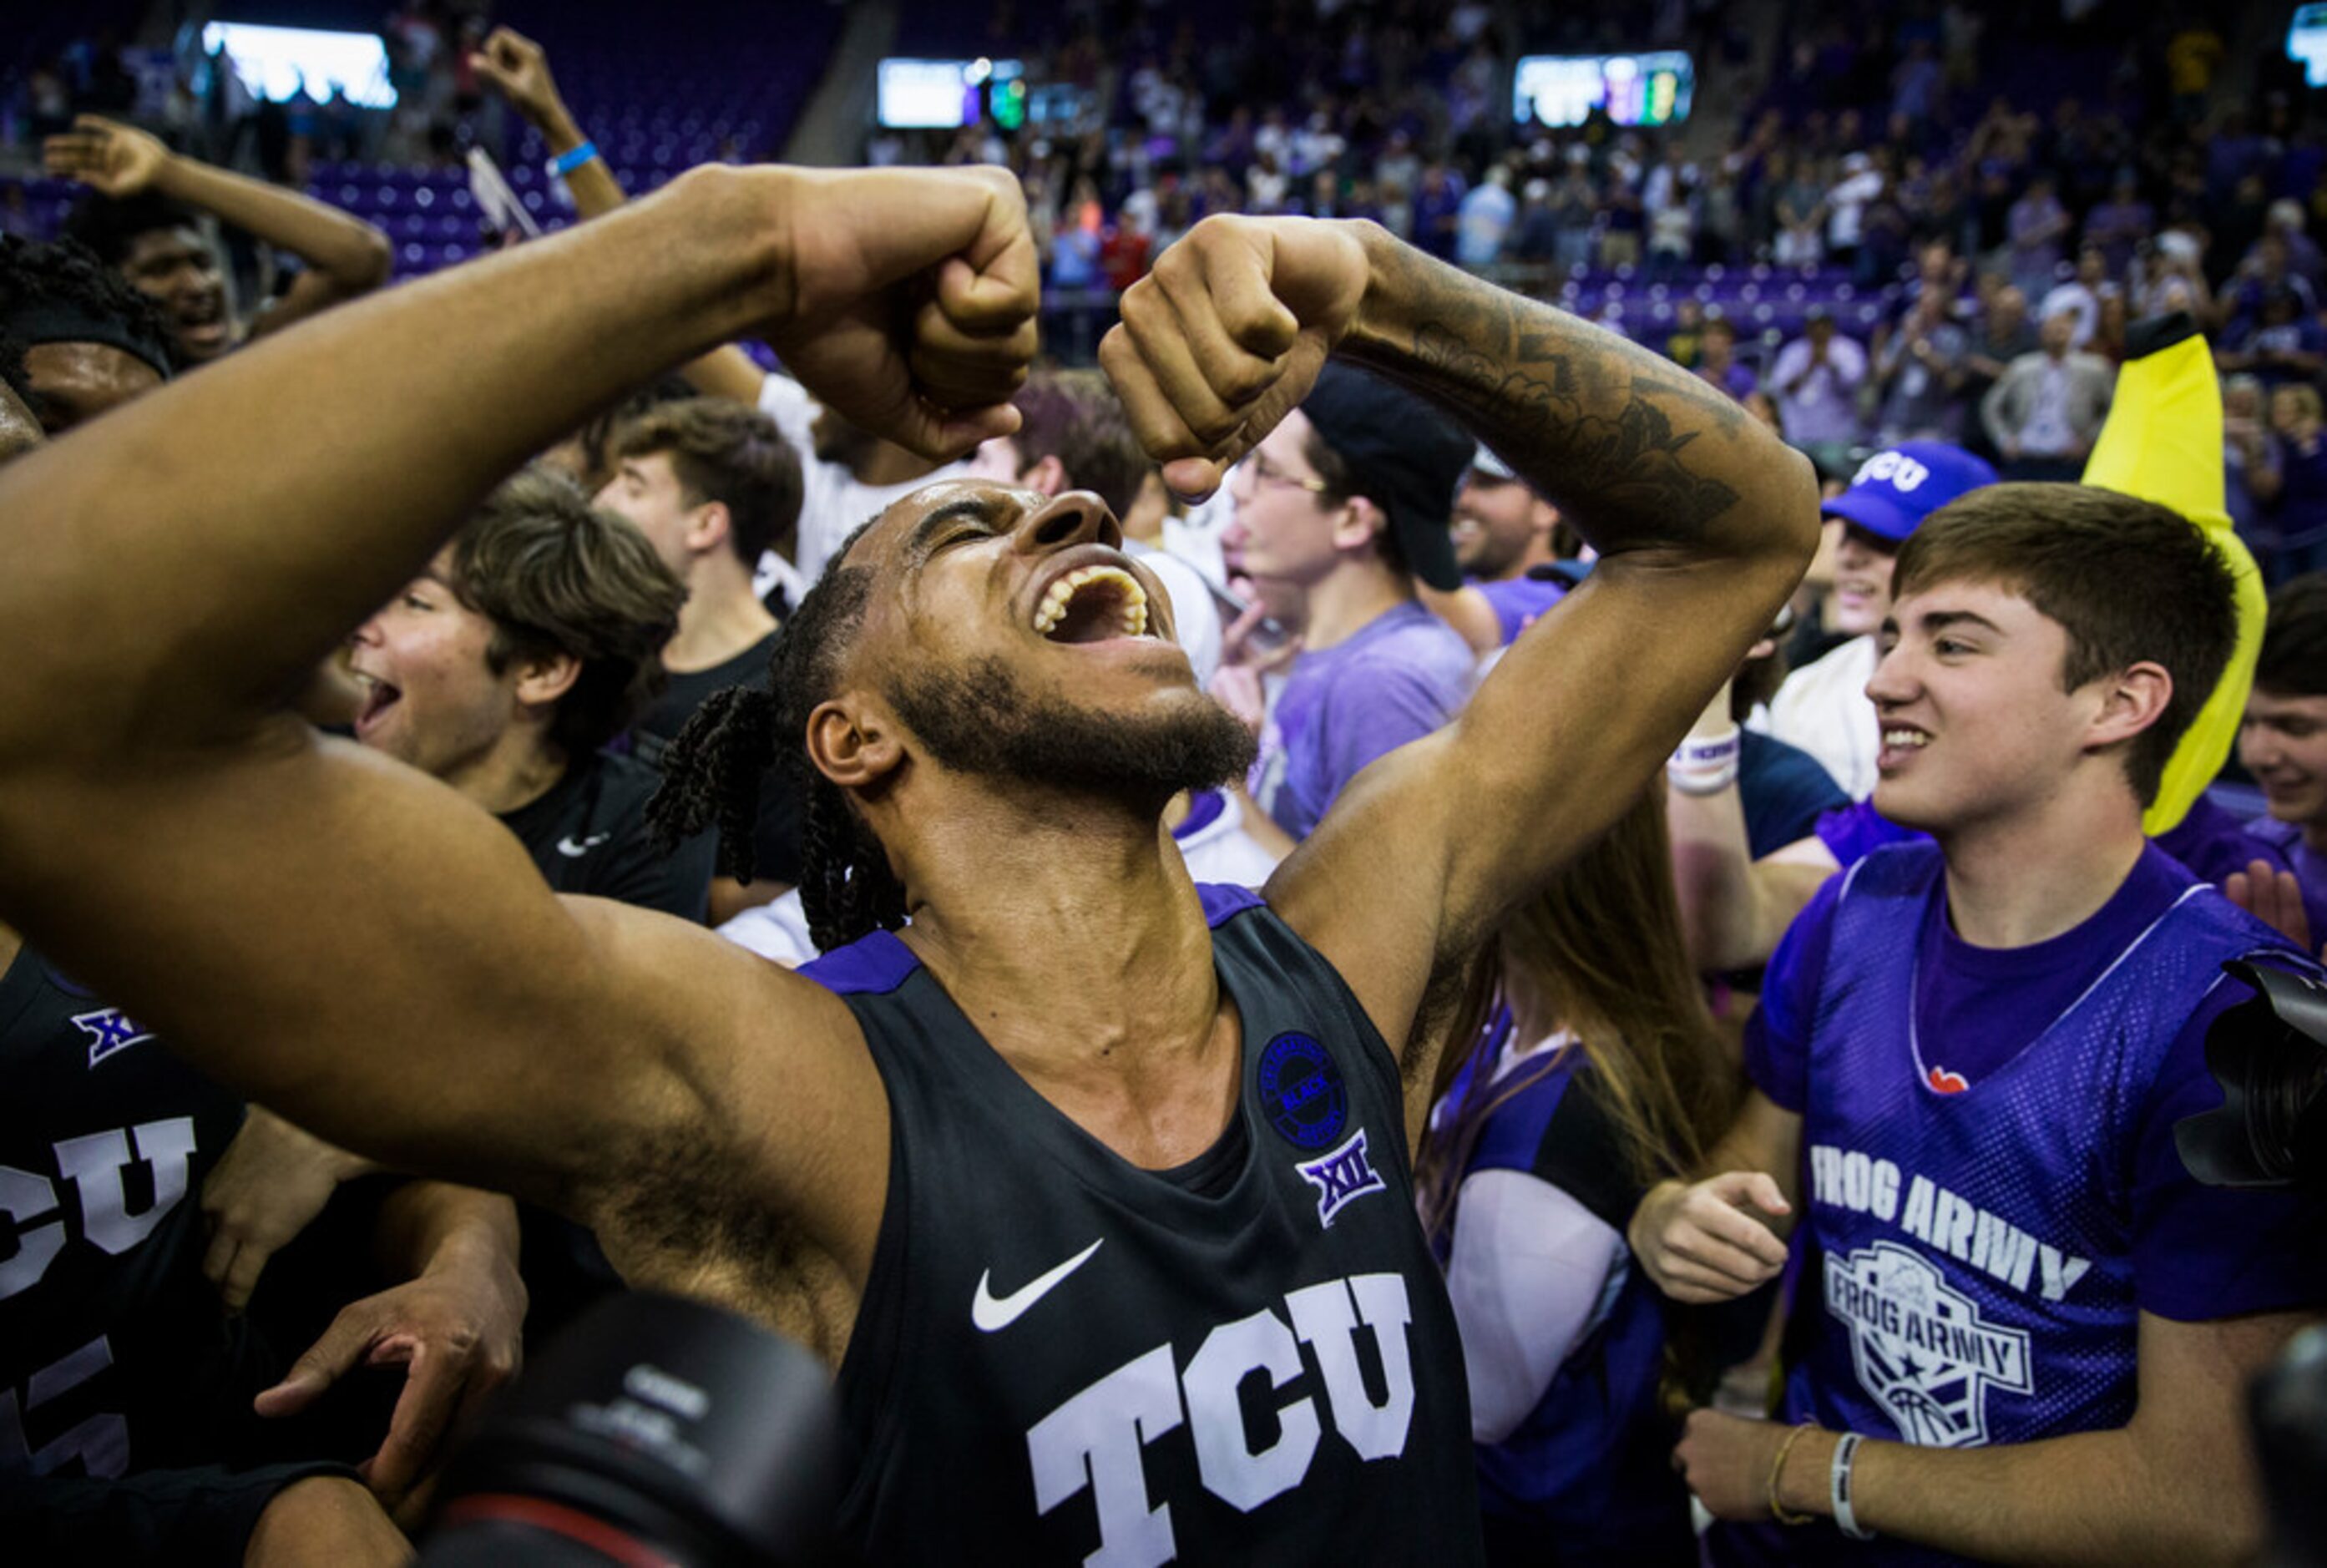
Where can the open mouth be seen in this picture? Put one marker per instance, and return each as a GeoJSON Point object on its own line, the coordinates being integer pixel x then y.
{"type": "Point", "coordinates": [378, 697]}
{"type": "Point", "coordinates": [1092, 604]}
{"type": "Point", "coordinates": [203, 322]}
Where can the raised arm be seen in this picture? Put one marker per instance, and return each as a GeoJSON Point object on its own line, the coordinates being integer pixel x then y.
{"type": "Point", "coordinates": [1733, 908]}
{"type": "Point", "coordinates": [339, 937]}
{"type": "Point", "coordinates": [345, 256]}
{"type": "Point", "coordinates": [1704, 520]}
{"type": "Point", "coordinates": [519, 68]}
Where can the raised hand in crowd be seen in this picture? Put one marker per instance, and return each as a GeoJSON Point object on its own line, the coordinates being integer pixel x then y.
{"type": "Point", "coordinates": [115, 159]}
{"type": "Point", "coordinates": [161, 253]}
{"type": "Point", "coordinates": [514, 66]}
{"type": "Point", "coordinates": [2274, 895]}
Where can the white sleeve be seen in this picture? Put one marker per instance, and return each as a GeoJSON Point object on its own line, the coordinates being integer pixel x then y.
{"type": "Point", "coordinates": [1528, 1269]}
{"type": "Point", "coordinates": [777, 929]}
{"type": "Point", "coordinates": [1194, 616]}
{"type": "Point", "coordinates": [788, 403]}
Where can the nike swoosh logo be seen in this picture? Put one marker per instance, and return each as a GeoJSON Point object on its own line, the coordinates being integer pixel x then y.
{"type": "Point", "coordinates": [992, 1313]}
{"type": "Point", "coordinates": [575, 849]}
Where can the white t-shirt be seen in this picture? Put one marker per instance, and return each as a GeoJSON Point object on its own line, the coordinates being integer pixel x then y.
{"type": "Point", "coordinates": [833, 501]}
{"type": "Point", "coordinates": [1824, 709]}
{"type": "Point", "coordinates": [1194, 616]}
{"type": "Point", "coordinates": [2048, 433]}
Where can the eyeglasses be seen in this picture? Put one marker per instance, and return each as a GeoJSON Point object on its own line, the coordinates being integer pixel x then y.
{"type": "Point", "coordinates": [1267, 472]}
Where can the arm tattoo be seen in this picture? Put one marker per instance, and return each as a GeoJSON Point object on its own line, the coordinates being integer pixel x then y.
{"type": "Point", "coordinates": [1597, 424]}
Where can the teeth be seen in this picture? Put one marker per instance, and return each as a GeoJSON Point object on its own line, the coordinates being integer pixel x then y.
{"type": "Point", "coordinates": [1905, 738]}
{"type": "Point", "coordinates": [1131, 604]}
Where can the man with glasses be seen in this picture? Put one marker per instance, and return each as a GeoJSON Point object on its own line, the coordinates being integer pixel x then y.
{"type": "Point", "coordinates": [1347, 502]}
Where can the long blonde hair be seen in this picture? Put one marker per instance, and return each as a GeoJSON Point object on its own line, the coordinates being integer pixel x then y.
{"type": "Point", "coordinates": [1601, 947]}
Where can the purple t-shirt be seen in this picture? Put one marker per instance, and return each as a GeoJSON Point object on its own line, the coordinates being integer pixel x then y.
{"type": "Point", "coordinates": [2200, 1253]}
{"type": "Point", "coordinates": [1519, 600]}
{"type": "Point", "coordinates": [1403, 674]}
{"type": "Point", "coordinates": [2308, 865]}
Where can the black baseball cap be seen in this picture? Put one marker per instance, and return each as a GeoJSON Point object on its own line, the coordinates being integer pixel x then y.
{"type": "Point", "coordinates": [1403, 455]}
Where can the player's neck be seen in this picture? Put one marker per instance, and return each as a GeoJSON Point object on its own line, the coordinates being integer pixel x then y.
{"type": "Point", "coordinates": [1348, 600]}
{"type": "Point", "coordinates": [1062, 929]}
{"type": "Point", "coordinates": [721, 618]}
{"type": "Point", "coordinates": [2042, 872]}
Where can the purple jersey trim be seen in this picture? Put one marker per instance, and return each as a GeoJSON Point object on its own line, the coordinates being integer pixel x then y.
{"type": "Point", "coordinates": [1223, 904]}
{"type": "Point", "coordinates": [1204, 808]}
{"type": "Point", "coordinates": [876, 963]}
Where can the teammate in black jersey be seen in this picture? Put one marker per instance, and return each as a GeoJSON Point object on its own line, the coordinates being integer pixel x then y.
{"type": "Point", "coordinates": [347, 941]}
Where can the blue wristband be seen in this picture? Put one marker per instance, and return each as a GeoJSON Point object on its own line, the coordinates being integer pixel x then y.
{"type": "Point", "coordinates": [564, 163]}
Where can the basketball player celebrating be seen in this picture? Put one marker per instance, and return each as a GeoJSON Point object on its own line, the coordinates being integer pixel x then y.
{"type": "Point", "coordinates": [1067, 1173]}
{"type": "Point", "coordinates": [2023, 1331]}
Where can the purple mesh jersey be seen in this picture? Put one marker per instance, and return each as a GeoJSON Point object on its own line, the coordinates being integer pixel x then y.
{"type": "Point", "coordinates": [1988, 1164]}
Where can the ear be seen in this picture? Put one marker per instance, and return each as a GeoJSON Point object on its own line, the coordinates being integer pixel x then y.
{"type": "Point", "coordinates": [1048, 476]}
{"type": "Point", "coordinates": [542, 680]}
{"type": "Point", "coordinates": [1543, 518]}
{"type": "Point", "coordinates": [706, 527]}
{"type": "Point", "coordinates": [853, 744]}
{"type": "Point", "coordinates": [2131, 701]}
{"type": "Point", "coordinates": [1358, 523]}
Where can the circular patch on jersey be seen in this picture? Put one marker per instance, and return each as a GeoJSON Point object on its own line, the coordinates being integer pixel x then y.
{"type": "Point", "coordinates": [1301, 1091]}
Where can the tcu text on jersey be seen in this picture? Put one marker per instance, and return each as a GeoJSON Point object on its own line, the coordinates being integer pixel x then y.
{"type": "Point", "coordinates": [1093, 1439]}
{"type": "Point", "coordinates": [33, 1219]}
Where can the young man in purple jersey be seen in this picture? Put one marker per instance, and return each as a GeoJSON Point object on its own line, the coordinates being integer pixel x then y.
{"type": "Point", "coordinates": [2022, 1331]}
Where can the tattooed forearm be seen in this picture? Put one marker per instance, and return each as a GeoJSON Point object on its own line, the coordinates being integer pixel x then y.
{"type": "Point", "coordinates": [1614, 466]}
{"type": "Point", "coordinates": [1640, 450]}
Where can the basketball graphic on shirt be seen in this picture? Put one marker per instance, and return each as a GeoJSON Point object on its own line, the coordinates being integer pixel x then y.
{"type": "Point", "coordinates": [1921, 1349]}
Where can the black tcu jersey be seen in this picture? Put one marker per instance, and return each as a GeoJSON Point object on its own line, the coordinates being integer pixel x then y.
{"type": "Point", "coordinates": [114, 1350]}
{"type": "Point", "coordinates": [1060, 1358]}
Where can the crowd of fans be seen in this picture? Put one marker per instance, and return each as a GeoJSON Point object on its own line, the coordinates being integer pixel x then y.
{"type": "Point", "coordinates": [1955, 816]}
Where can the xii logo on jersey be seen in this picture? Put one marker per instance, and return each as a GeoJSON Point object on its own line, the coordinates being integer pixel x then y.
{"type": "Point", "coordinates": [1919, 1345]}
{"type": "Point", "coordinates": [110, 1031]}
{"type": "Point", "coordinates": [1341, 1177]}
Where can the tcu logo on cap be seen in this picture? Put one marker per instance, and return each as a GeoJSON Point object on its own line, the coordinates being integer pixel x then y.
{"type": "Point", "coordinates": [1903, 472]}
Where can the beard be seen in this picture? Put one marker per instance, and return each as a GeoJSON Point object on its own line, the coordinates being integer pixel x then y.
{"type": "Point", "coordinates": [982, 719]}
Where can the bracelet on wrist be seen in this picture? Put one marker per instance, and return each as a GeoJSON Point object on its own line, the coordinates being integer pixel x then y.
{"type": "Point", "coordinates": [1778, 1509]}
{"type": "Point", "coordinates": [1705, 764]}
{"type": "Point", "coordinates": [1839, 1488]}
{"type": "Point", "coordinates": [565, 163]}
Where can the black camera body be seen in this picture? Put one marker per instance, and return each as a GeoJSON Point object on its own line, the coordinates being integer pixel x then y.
{"type": "Point", "coordinates": [653, 1429]}
{"type": "Point", "coordinates": [2269, 1054]}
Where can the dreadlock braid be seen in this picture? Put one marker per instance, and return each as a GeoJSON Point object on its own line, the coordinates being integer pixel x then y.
{"type": "Point", "coordinates": [713, 769]}
{"type": "Point", "coordinates": [711, 774]}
